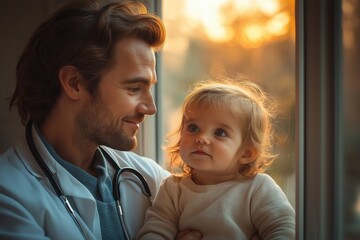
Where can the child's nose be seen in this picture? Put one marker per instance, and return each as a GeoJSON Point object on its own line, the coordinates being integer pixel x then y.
{"type": "Point", "coordinates": [202, 140]}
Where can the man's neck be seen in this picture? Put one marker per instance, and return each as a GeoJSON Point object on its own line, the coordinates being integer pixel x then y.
{"type": "Point", "coordinates": [68, 146]}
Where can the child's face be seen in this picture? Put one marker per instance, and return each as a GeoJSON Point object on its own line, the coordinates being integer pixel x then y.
{"type": "Point", "coordinates": [210, 142]}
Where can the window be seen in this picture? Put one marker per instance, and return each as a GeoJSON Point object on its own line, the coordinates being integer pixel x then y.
{"type": "Point", "coordinates": [321, 122]}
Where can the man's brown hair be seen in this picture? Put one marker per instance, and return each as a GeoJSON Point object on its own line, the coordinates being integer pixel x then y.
{"type": "Point", "coordinates": [83, 35]}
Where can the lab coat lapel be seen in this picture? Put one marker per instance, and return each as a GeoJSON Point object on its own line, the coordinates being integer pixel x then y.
{"type": "Point", "coordinates": [85, 202]}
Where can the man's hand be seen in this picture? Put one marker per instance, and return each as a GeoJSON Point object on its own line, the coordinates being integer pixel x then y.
{"type": "Point", "coordinates": [189, 234]}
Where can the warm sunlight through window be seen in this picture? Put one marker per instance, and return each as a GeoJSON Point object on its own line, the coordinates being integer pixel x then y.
{"type": "Point", "coordinates": [211, 19]}
{"type": "Point", "coordinates": [247, 22]}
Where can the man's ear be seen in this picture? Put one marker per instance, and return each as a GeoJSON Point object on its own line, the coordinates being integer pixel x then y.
{"type": "Point", "coordinates": [70, 80]}
{"type": "Point", "coordinates": [248, 156]}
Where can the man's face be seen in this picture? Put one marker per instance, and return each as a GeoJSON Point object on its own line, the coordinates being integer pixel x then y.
{"type": "Point", "coordinates": [123, 98]}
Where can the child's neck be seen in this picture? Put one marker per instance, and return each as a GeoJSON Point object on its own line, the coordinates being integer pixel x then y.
{"type": "Point", "coordinates": [206, 178]}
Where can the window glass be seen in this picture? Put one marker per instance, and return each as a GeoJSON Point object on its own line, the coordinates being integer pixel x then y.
{"type": "Point", "coordinates": [351, 75]}
{"type": "Point", "coordinates": [254, 38]}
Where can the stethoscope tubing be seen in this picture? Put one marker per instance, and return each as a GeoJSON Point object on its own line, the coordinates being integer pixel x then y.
{"type": "Point", "coordinates": [51, 178]}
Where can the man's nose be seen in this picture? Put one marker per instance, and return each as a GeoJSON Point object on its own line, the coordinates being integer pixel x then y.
{"type": "Point", "coordinates": [148, 106]}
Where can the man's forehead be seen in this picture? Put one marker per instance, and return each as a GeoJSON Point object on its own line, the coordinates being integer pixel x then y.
{"type": "Point", "coordinates": [136, 48]}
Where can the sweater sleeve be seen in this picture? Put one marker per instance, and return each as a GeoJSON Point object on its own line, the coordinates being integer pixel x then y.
{"type": "Point", "coordinates": [271, 213]}
{"type": "Point", "coordinates": [161, 221]}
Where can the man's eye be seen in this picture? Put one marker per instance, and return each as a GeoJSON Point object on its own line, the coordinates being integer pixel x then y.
{"type": "Point", "coordinates": [220, 133]}
{"type": "Point", "coordinates": [192, 128]}
{"type": "Point", "coordinates": [134, 89]}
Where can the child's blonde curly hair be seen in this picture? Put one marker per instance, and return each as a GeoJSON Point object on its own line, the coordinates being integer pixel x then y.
{"type": "Point", "coordinates": [246, 101]}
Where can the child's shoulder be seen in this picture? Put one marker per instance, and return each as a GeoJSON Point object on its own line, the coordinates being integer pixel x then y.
{"type": "Point", "coordinates": [174, 179]}
{"type": "Point", "coordinates": [263, 178]}
{"type": "Point", "coordinates": [263, 182]}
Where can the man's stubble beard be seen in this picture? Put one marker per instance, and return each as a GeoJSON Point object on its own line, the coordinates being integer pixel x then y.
{"type": "Point", "coordinates": [95, 124]}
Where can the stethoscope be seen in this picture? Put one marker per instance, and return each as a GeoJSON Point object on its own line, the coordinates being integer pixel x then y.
{"type": "Point", "coordinates": [116, 182]}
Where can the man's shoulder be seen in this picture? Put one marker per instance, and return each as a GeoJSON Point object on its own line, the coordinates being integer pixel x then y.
{"type": "Point", "coordinates": [9, 160]}
{"type": "Point", "coordinates": [127, 158]}
{"type": "Point", "coordinates": [133, 160]}
{"type": "Point", "coordinates": [13, 172]}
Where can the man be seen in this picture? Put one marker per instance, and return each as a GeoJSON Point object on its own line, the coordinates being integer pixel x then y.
{"type": "Point", "coordinates": [83, 87]}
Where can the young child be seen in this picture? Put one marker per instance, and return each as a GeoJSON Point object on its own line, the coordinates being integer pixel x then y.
{"type": "Point", "coordinates": [218, 186]}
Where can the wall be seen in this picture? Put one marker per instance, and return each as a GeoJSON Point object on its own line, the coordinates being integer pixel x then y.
{"type": "Point", "coordinates": [18, 19]}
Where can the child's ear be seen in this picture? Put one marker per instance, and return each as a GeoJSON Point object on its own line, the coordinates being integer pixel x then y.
{"type": "Point", "coordinates": [248, 156]}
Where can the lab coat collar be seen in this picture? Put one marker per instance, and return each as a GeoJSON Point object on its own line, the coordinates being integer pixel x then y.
{"type": "Point", "coordinates": [83, 199]}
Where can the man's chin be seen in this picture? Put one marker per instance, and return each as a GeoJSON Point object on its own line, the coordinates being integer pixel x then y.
{"type": "Point", "coordinates": [129, 145]}
{"type": "Point", "coordinates": [125, 144]}
{"type": "Point", "coordinates": [133, 146]}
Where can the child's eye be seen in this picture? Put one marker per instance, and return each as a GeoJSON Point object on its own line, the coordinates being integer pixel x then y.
{"type": "Point", "coordinates": [220, 132]}
{"type": "Point", "coordinates": [192, 128]}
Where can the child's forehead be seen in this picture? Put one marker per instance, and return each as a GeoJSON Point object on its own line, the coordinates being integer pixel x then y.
{"type": "Point", "coordinates": [204, 111]}
{"type": "Point", "coordinates": [202, 107]}
{"type": "Point", "coordinates": [215, 107]}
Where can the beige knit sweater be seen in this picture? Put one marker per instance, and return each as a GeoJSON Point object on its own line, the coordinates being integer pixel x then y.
{"type": "Point", "coordinates": [236, 209]}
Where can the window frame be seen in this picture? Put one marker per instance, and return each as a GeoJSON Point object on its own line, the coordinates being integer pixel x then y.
{"type": "Point", "coordinates": [319, 119]}
{"type": "Point", "coordinates": [149, 135]}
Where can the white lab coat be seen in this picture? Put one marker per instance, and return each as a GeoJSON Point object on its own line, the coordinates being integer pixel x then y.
{"type": "Point", "coordinates": [30, 208]}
